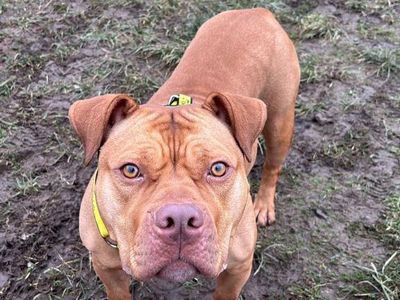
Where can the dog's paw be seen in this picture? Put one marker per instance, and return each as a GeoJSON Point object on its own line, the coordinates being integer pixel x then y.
{"type": "Point", "coordinates": [265, 214]}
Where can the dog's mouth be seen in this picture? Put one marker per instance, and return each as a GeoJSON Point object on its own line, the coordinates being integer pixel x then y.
{"type": "Point", "coordinates": [178, 271]}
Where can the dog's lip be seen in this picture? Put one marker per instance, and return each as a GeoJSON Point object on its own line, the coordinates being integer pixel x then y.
{"type": "Point", "coordinates": [178, 271]}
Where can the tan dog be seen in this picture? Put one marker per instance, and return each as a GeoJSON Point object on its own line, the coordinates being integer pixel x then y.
{"type": "Point", "coordinates": [171, 188]}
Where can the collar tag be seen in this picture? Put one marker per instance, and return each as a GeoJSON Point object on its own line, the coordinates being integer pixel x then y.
{"type": "Point", "coordinates": [179, 100]}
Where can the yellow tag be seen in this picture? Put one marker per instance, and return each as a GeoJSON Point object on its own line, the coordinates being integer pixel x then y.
{"type": "Point", "coordinates": [184, 99]}
{"type": "Point", "coordinates": [178, 100]}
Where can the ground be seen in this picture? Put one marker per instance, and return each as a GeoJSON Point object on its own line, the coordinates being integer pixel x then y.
{"type": "Point", "coordinates": [337, 233]}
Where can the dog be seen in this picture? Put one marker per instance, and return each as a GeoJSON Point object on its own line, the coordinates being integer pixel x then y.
{"type": "Point", "coordinates": [170, 198]}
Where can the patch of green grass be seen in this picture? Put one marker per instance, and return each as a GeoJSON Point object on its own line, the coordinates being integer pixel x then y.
{"type": "Point", "coordinates": [273, 250]}
{"type": "Point", "coordinates": [326, 187]}
{"type": "Point", "coordinates": [3, 6]}
{"type": "Point", "coordinates": [8, 158]}
{"type": "Point", "coordinates": [395, 150]}
{"type": "Point", "coordinates": [375, 282]}
{"type": "Point", "coordinates": [61, 281]}
{"type": "Point", "coordinates": [374, 32]}
{"type": "Point", "coordinates": [310, 291]}
{"type": "Point", "coordinates": [169, 53]}
{"type": "Point", "coordinates": [382, 8]}
{"type": "Point", "coordinates": [340, 153]}
{"type": "Point", "coordinates": [393, 100]}
{"type": "Point", "coordinates": [113, 74]}
{"type": "Point", "coordinates": [305, 108]}
{"type": "Point", "coordinates": [345, 151]}
{"type": "Point", "coordinates": [105, 34]}
{"type": "Point", "coordinates": [5, 211]}
{"type": "Point", "coordinates": [316, 68]}
{"type": "Point", "coordinates": [169, 46]}
{"type": "Point", "coordinates": [7, 86]}
{"type": "Point", "coordinates": [379, 282]}
{"type": "Point", "coordinates": [31, 267]}
{"type": "Point", "coordinates": [64, 281]}
{"type": "Point", "coordinates": [350, 100]}
{"type": "Point", "coordinates": [357, 5]}
{"type": "Point", "coordinates": [387, 60]}
{"type": "Point", "coordinates": [62, 52]}
{"type": "Point", "coordinates": [26, 65]}
{"type": "Point", "coordinates": [26, 184]}
{"type": "Point", "coordinates": [6, 129]}
{"type": "Point", "coordinates": [315, 25]}
{"type": "Point", "coordinates": [309, 69]}
{"type": "Point", "coordinates": [78, 89]}
{"type": "Point", "coordinates": [392, 217]}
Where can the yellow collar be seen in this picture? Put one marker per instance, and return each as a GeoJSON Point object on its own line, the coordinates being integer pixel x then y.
{"type": "Point", "coordinates": [101, 226]}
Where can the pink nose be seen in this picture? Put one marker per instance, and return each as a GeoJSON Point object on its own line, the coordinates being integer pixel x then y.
{"type": "Point", "coordinates": [182, 222]}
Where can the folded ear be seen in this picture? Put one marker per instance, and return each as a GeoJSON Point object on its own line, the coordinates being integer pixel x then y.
{"type": "Point", "coordinates": [245, 116]}
{"type": "Point", "coordinates": [93, 118]}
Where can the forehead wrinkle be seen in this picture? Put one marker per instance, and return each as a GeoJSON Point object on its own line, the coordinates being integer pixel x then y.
{"type": "Point", "coordinates": [186, 117]}
{"type": "Point", "coordinates": [205, 142]}
{"type": "Point", "coordinates": [199, 147]}
{"type": "Point", "coordinates": [141, 137]}
{"type": "Point", "coordinates": [159, 125]}
{"type": "Point", "coordinates": [162, 133]}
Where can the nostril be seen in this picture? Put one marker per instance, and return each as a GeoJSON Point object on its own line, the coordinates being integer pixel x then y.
{"type": "Point", "coordinates": [195, 222]}
{"type": "Point", "coordinates": [170, 222]}
{"type": "Point", "coordinates": [191, 222]}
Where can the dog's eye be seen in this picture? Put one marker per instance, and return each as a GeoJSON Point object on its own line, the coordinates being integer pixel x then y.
{"type": "Point", "coordinates": [218, 169]}
{"type": "Point", "coordinates": [130, 171]}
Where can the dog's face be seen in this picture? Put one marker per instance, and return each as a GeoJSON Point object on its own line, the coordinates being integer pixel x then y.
{"type": "Point", "coordinates": [172, 186]}
{"type": "Point", "coordinates": [160, 168]}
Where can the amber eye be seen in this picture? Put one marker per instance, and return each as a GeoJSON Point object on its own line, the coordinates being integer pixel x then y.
{"type": "Point", "coordinates": [130, 171]}
{"type": "Point", "coordinates": [218, 169]}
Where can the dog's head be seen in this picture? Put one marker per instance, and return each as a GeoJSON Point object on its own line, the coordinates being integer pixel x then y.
{"type": "Point", "coordinates": [172, 181]}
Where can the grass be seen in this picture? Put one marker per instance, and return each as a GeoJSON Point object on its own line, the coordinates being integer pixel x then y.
{"type": "Point", "coordinates": [357, 5]}
{"type": "Point", "coordinates": [386, 60]}
{"type": "Point", "coordinates": [317, 68]}
{"type": "Point", "coordinates": [62, 278]}
{"type": "Point", "coordinates": [169, 54]}
{"type": "Point", "coordinates": [310, 292]}
{"type": "Point", "coordinates": [310, 71]}
{"type": "Point", "coordinates": [27, 184]}
{"type": "Point", "coordinates": [344, 153]}
{"type": "Point", "coordinates": [351, 100]}
{"type": "Point", "coordinates": [392, 217]}
{"type": "Point", "coordinates": [7, 86]}
{"type": "Point", "coordinates": [378, 33]}
{"type": "Point", "coordinates": [315, 25]}
{"type": "Point", "coordinates": [64, 281]}
{"type": "Point", "coordinates": [380, 281]}
{"type": "Point", "coordinates": [271, 250]}
{"type": "Point", "coordinates": [169, 47]}
{"type": "Point", "coordinates": [6, 129]}
{"type": "Point", "coordinates": [382, 8]}
{"type": "Point", "coordinates": [375, 282]}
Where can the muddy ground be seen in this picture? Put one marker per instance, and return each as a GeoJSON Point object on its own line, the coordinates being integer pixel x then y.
{"type": "Point", "coordinates": [338, 199]}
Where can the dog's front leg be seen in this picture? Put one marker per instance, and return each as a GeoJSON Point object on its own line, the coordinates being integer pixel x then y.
{"type": "Point", "coordinates": [116, 281]}
{"type": "Point", "coordinates": [240, 259]}
{"type": "Point", "coordinates": [231, 281]}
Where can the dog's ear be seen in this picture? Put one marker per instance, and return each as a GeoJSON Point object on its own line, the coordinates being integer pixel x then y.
{"type": "Point", "coordinates": [244, 115]}
{"type": "Point", "coordinates": [93, 118]}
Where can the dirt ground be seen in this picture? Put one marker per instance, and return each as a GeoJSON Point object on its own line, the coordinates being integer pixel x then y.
{"type": "Point", "coordinates": [338, 199]}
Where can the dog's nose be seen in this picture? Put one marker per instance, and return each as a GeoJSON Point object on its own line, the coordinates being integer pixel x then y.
{"type": "Point", "coordinates": [179, 221]}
